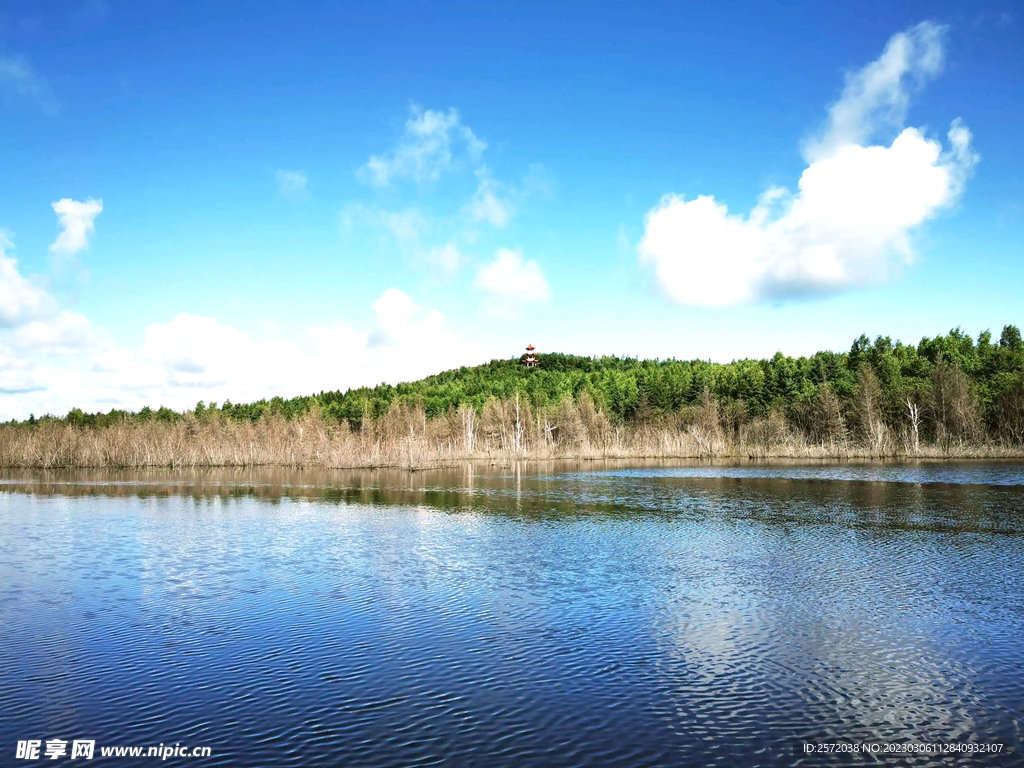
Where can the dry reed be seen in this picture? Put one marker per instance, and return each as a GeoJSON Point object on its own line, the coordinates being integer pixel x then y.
{"type": "Point", "coordinates": [505, 430]}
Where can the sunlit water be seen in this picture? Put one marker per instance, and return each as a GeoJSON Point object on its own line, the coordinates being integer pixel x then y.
{"type": "Point", "coordinates": [547, 617]}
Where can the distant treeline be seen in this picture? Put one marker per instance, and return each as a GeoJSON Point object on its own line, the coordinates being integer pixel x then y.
{"type": "Point", "coordinates": [950, 388]}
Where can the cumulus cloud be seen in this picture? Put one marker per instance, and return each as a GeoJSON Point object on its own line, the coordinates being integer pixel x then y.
{"type": "Point", "coordinates": [52, 360]}
{"type": "Point", "coordinates": [60, 362]}
{"type": "Point", "coordinates": [18, 78]}
{"type": "Point", "coordinates": [37, 339]}
{"type": "Point", "coordinates": [76, 221]}
{"type": "Point", "coordinates": [856, 206]}
{"type": "Point", "coordinates": [192, 356]}
{"type": "Point", "coordinates": [433, 143]}
{"type": "Point", "coordinates": [196, 350]}
{"type": "Point", "coordinates": [510, 281]}
{"type": "Point", "coordinates": [400, 320]}
{"type": "Point", "coordinates": [292, 184]}
{"type": "Point", "coordinates": [21, 300]}
{"type": "Point", "coordinates": [60, 333]}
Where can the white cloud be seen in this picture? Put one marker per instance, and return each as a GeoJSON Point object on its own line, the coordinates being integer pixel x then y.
{"type": "Point", "coordinates": [76, 221]}
{"type": "Point", "coordinates": [511, 281]}
{"type": "Point", "coordinates": [292, 184]}
{"type": "Point", "coordinates": [433, 143]}
{"type": "Point", "coordinates": [446, 258]}
{"type": "Point", "coordinates": [36, 341]}
{"type": "Point", "coordinates": [496, 203]}
{"type": "Point", "coordinates": [878, 95]}
{"type": "Point", "coordinates": [63, 333]}
{"type": "Point", "coordinates": [52, 360]}
{"type": "Point", "coordinates": [21, 300]}
{"type": "Point", "coordinates": [851, 219]}
{"type": "Point", "coordinates": [486, 204]}
{"type": "Point", "coordinates": [407, 226]}
{"type": "Point", "coordinates": [400, 320]}
{"type": "Point", "coordinates": [17, 77]}
{"type": "Point", "coordinates": [192, 357]}
{"type": "Point", "coordinates": [538, 182]}
{"type": "Point", "coordinates": [194, 349]}
{"type": "Point", "coordinates": [61, 362]}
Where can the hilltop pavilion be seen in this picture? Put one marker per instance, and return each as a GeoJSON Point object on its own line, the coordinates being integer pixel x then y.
{"type": "Point", "coordinates": [530, 359]}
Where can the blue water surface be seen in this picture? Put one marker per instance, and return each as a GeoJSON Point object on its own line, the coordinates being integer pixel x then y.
{"type": "Point", "coordinates": [517, 616]}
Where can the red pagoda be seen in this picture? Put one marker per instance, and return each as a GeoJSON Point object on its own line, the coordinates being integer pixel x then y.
{"type": "Point", "coordinates": [530, 359]}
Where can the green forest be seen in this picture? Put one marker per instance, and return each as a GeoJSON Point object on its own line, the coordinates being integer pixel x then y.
{"type": "Point", "coordinates": [951, 386]}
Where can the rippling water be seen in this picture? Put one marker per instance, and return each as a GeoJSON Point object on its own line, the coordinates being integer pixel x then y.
{"type": "Point", "coordinates": [548, 616]}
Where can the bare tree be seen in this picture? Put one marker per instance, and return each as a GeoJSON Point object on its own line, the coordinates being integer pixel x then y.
{"type": "Point", "coordinates": [914, 418]}
{"type": "Point", "coordinates": [868, 411]}
{"type": "Point", "coordinates": [954, 405]}
{"type": "Point", "coordinates": [1010, 412]}
{"type": "Point", "coordinates": [595, 423]}
{"type": "Point", "coordinates": [763, 437]}
{"type": "Point", "coordinates": [571, 431]}
{"type": "Point", "coordinates": [467, 416]}
{"type": "Point", "coordinates": [706, 429]}
{"type": "Point", "coordinates": [828, 426]}
{"type": "Point", "coordinates": [518, 426]}
{"type": "Point", "coordinates": [494, 421]}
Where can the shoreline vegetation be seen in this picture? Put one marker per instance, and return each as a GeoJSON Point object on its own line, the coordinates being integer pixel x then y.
{"type": "Point", "coordinates": [947, 397]}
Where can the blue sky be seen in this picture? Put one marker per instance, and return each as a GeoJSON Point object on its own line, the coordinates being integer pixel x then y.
{"type": "Point", "coordinates": [216, 200]}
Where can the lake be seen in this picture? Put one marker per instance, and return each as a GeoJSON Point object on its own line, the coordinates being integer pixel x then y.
{"type": "Point", "coordinates": [535, 615]}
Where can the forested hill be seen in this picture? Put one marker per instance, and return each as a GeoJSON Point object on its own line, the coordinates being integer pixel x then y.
{"type": "Point", "coordinates": [629, 389]}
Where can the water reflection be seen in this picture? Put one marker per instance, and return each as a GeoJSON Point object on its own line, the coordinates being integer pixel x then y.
{"type": "Point", "coordinates": [946, 496]}
{"type": "Point", "coordinates": [513, 615]}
